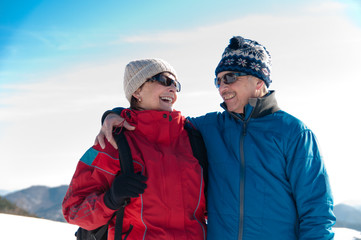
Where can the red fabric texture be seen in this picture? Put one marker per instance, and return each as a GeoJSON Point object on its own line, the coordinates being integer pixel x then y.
{"type": "Point", "coordinates": [173, 204]}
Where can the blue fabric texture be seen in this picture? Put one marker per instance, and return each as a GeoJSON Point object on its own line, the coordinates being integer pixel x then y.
{"type": "Point", "coordinates": [89, 156]}
{"type": "Point", "coordinates": [267, 178]}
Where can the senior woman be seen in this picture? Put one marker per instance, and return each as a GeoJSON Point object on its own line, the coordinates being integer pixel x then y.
{"type": "Point", "coordinates": [167, 188]}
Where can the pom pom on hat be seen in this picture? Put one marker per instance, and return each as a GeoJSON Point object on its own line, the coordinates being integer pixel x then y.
{"type": "Point", "coordinates": [139, 71]}
{"type": "Point", "coordinates": [248, 56]}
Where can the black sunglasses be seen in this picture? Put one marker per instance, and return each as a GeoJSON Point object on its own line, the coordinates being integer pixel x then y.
{"type": "Point", "coordinates": [165, 81]}
{"type": "Point", "coordinates": [228, 78]}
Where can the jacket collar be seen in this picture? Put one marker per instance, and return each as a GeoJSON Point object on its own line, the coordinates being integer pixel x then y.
{"type": "Point", "coordinates": [257, 107]}
{"type": "Point", "coordinates": [156, 126]}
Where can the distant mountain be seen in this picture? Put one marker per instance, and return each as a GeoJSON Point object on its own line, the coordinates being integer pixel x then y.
{"type": "Point", "coordinates": [347, 216]}
{"type": "Point", "coordinates": [45, 202]}
{"type": "Point", "coordinates": [4, 192]}
{"type": "Point", "coordinates": [10, 208]}
{"type": "Point", "coordinates": [354, 203]}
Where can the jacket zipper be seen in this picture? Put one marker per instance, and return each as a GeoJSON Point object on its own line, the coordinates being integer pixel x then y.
{"type": "Point", "coordinates": [241, 184]}
{"type": "Point", "coordinates": [243, 169]}
{"type": "Point", "coordinates": [242, 177]}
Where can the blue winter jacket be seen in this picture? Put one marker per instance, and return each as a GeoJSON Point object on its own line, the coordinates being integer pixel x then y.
{"type": "Point", "coordinates": [267, 179]}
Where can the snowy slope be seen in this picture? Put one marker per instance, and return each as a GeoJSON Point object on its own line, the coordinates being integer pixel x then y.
{"type": "Point", "coordinates": [17, 227]}
{"type": "Point", "coordinates": [346, 234]}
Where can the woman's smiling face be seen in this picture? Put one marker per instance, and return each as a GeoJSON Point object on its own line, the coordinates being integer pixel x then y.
{"type": "Point", "coordinates": [155, 96]}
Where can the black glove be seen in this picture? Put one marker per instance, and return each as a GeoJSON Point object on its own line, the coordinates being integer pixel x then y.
{"type": "Point", "coordinates": [123, 187]}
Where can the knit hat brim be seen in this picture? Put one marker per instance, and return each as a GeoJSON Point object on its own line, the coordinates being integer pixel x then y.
{"type": "Point", "coordinates": [139, 71]}
{"type": "Point", "coordinates": [248, 56]}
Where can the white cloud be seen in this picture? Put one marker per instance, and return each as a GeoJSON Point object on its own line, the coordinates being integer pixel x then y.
{"type": "Point", "coordinates": [325, 7]}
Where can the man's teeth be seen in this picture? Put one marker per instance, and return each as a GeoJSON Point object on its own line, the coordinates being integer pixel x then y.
{"type": "Point", "coordinates": [228, 96]}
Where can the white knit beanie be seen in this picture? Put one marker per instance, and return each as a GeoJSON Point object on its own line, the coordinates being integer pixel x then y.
{"type": "Point", "coordinates": [139, 71]}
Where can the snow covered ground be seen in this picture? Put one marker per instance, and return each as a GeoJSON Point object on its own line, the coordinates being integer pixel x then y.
{"type": "Point", "coordinates": [346, 234]}
{"type": "Point", "coordinates": [17, 227]}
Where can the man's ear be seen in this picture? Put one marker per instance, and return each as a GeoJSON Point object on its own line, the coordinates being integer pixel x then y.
{"type": "Point", "coordinates": [260, 84]}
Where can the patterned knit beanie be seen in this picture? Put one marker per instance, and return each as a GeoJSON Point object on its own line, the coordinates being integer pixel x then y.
{"type": "Point", "coordinates": [247, 56]}
{"type": "Point", "coordinates": [139, 71]}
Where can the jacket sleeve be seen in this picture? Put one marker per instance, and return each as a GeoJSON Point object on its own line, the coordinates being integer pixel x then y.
{"type": "Point", "coordinates": [310, 187]}
{"type": "Point", "coordinates": [83, 204]}
{"type": "Point", "coordinates": [116, 110]}
{"type": "Point", "coordinates": [197, 122]}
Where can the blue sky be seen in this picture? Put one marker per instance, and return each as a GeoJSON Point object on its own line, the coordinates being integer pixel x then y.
{"type": "Point", "coordinates": [61, 66]}
{"type": "Point", "coordinates": [42, 35]}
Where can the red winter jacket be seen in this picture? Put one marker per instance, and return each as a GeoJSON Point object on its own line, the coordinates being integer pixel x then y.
{"type": "Point", "coordinates": [173, 204]}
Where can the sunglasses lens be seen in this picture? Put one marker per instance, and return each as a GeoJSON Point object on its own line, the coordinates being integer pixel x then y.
{"type": "Point", "coordinates": [227, 79]}
{"type": "Point", "coordinates": [167, 81]}
{"type": "Point", "coordinates": [230, 78]}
